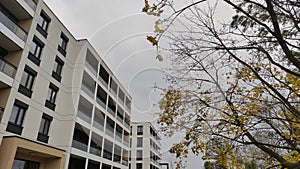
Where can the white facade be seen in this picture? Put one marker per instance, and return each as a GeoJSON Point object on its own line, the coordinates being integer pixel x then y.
{"type": "Point", "coordinates": [145, 146]}
{"type": "Point", "coordinates": [56, 94]}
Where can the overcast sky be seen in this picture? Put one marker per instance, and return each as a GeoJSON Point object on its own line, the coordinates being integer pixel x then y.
{"type": "Point", "coordinates": [117, 30]}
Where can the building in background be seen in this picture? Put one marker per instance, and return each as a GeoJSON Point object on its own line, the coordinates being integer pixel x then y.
{"type": "Point", "coordinates": [145, 146]}
{"type": "Point", "coordinates": [60, 105]}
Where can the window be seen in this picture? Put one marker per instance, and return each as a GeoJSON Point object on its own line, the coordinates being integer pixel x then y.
{"type": "Point", "coordinates": [76, 162]}
{"type": "Point", "coordinates": [58, 65]}
{"type": "Point", "coordinates": [80, 137]}
{"type": "Point", "coordinates": [44, 128]}
{"type": "Point", "coordinates": [36, 50]}
{"type": "Point", "coordinates": [139, 130]}
{"type": "Point", "coordinates": [93, 165]}
{"type": "Point", "coordinates": [117, 154]}
{"type": "Point", "coordinates": [96, 144]}
{"type": "Point", "coordinates": [27, 81]}
{"type": "Point", "coordinates": [24, 164]}
{"type": "Point", "coordinates": [139, 142]}
{"type": "Point", "coordinates": [63, 44]}
{"type": "Point", "coordinates": [101, 97]}
{"type": "Point", "coordinates": [108, 149]}
{"type": "Point", "coordinates": [111, 106]}
{"type": "Point", "coordinates": [121, 95]}
{"type": "Point", "coordinates": [103, 75]}
{"type": "Point", "coordinates": [51, 97]}
{"type": "Point", "coordinates": [113, 86]}
{"type": "Point", "coordinates": [43, 23]}
{"type": "Point", "coordinates": [139, 165]}
{"type": "Point", "coordinates": [17, 117]}
{"type": "Point", "coordinates": [105, 166]}
{"type": "Point", "coordinates": [139, 154]}
{"type": "Point", "coordinates": [99, 118]}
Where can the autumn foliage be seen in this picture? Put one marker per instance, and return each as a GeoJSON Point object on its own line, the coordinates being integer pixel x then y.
{"type": "Point", "coordinates": [234, 87]}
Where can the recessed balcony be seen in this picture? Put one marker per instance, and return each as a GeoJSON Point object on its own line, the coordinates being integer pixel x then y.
{"type": "Point", "coordinates": [12, 37]}
{"type": "Point", "coordinates": [7, 68]}
{"type": "Point", "coordinates": [23, 9]}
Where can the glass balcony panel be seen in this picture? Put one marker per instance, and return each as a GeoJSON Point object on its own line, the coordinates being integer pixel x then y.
{"type": "Point", "coordinates": [79, 145]}
{"type": "Point", "coordinates": [7, 68]}
{"type": "Point", "coordinates": [12, 26]}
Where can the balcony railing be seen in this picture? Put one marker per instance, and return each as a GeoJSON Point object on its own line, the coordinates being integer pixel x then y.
{"type": "Point", "coordinates": [12, 26]}
{"type": "Point", "coordinates": [87, 90]}
{"type": "Point", "coordinates": [83, 116]}
{"type": "Point", "coordinates": [79, 145]}
{"type": "Point", "coordinates": [91, 68]}
{"type": "Point", "coordinates": [31, 4]}
{"type": "Point", "coordinates": [7, 68]}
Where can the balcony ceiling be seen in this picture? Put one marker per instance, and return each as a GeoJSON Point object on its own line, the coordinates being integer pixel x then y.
{"type": "Point", "coordinates": [14, 7]}
{"type": "Point", "coordinates": [8, 44]}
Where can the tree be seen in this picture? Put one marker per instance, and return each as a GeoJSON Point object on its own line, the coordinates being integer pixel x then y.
{"type": "Point", "coordinates": [234, 87]}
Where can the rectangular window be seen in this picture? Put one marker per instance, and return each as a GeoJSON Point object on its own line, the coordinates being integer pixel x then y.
{"type": "Point", "coordinates": [16, 117]}
{"type": "Point", "coordinates": [139, 154]}
{"type": "Point", "coordinates": [44, 128]}
{"type": "Point", "coordinates": [27, 81]}
{"type": "Point", "coordinates": [117, 154]}
{"type": "Point", "coordinates": [108, 149]}
{"type": "Point", "coordinates": [63, 44]}
{"type": "Point", "coordinates": [101, 97]}
{"type": "Point", "coordinates": [43, 23]}
{"type": "Point", "coordinates": [80, 137]}
{"type": "Point", "coordinates": [139, 142]}
{"type": "Point", "coordinates": [58, 65]}
{"type": "Point", "coordinates": [139, 165]}
{"type": "Point", "coordinates": [139, 130]}
{"type": "Point", "coordinates": [103, 75]}
{"type": "Point", "coordinates": [36, 50]}
{"type": "Point", "coordinates": [96, 144]}
{"type": "Point", "coordinates": [51, 97]}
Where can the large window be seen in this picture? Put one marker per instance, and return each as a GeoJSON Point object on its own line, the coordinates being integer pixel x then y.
{"type": "Point", "coordinates": [101, 97]}
{"type": "Point", "coordinates": [16, 117]}
{"type": "Point", "coordinates": [63, 44]}
{"type": "Point", "coordinates": [139, 142]}
{"type": "Point", "coordinates": [111, 106]}
{"type": "Point", "coordinates": [96, 144]}
{"type": "Point", "coordinates": [99, 119]}
{"type": "Point", "coordinates": [113, 86]}
{"type": "Point", "coordinates": [139, 165]}
{"type": "Point", "coordinates": [58, 65]}
{"type": "Point", "coordinates": [108, 149]}
{"type": "Point", "coordinates": [93, 165]}
{"type": "Point", "coordinates": [80, 137]}
{"type": "Point", "coordinates": [44, 128]}
{"type": "Point", "coordinates": [36, 50]}
{"type": "Point", "coordinates": [139, 130]}
{"type": "Point", "coordinates": [103, 75]}
{"type": "Point", "coordinates": [139, 154]}
{"type": "Point", "coordinates": [117, 154]}
{"type": "Point", "coordinates": [43, 23]}
{"type": "Point", "coordinates": [51, 97]}
{"type": "Point", "coordinates": [27, 81]}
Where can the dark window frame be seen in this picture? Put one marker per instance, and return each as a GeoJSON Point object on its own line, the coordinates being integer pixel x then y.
{"type": "Point", "coordinates": [26, 88]}
{"type": "Point", "coordinates": [35, 56]}
{"type": "Point", "coordinates": [51, 96]}
{"type": "Point", "coordinates": [15, 123]}
{"type": "Point", "coordinates": [43, 24]}
{"type": "Point", "coordinates": [62, 47]}
{"type": "Point", "coordinates": [44, 128]}
{"type": "Point", "coordinates": [57, 70]}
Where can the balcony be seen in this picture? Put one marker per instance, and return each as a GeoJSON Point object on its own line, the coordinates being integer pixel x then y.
{"type": "Point", "coordinates": [7, 68]}
{"type": "Point", "coordinates": [23, 9]}
{"type": "Point", "coordinates": [79, 145]}
{"type": "Point", "coordinates": [13, 32]}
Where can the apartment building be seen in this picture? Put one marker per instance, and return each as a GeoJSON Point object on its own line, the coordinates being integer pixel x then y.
{"type": "Point", "coordinates": [145, 146]}
{"type": "Point", "coordinates": [60, 105]}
